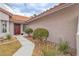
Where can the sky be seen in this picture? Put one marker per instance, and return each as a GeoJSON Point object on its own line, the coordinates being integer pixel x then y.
{"type": "Point", "coordinates": [29, 9]}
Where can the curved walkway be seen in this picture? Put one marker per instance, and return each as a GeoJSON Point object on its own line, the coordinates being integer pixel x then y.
{"type": "Point", "coordinates": [27, 47]}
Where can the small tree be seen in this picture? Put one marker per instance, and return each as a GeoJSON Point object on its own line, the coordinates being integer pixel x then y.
{"type": "Point", "coordinates": [41, 33]}
{"type": "Point", "coordinates": [28, 31]}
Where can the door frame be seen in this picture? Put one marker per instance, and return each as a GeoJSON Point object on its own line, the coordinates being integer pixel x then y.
{"type": "Point", "coordinates": [15, 29]}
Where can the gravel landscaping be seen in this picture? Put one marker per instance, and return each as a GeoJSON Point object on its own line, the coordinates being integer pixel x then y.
{"type": "Point", "coordinates": [48, 49]}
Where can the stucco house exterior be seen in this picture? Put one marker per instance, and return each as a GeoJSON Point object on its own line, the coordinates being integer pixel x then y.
{"type": "Point", "coordinates": [61, 22]}
{"type": "Point", "coordinates": [4, 18]}
{"type": "Point", "coordinates": [10, 23]}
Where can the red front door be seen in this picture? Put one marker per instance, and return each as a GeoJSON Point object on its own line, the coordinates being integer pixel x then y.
{"type": "Point", "coordinates": [17, 29]}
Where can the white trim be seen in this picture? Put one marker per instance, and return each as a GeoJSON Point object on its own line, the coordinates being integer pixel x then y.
{"type": "Point", "coordinates": [77, 37]}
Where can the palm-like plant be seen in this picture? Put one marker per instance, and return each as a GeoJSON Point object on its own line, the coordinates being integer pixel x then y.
{"type": "Point", "coordinates": [63, 47]}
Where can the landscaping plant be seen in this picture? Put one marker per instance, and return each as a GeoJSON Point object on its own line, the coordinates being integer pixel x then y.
{"type": "Point", "coordinates": [40, 33]}
{"type": "Point", "coordinates": [28, 31]}
{"type": "Point", "coordinates": [49, 51]}
{"type": "Point", "coordinates": [63, 47]}
{"type": "Point", "coordinates": [8, 36]}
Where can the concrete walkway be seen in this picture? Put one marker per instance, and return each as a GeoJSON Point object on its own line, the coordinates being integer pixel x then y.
{"type": "Point", "coordinates": [27, 47]}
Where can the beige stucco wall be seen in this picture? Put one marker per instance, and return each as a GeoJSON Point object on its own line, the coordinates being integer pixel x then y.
{"type": "Point", "coordinates": [61, 25]}
{"type": "Point", "coordinates": [22, 28]}
{"type": "Point", "coordinates": [4, 16]}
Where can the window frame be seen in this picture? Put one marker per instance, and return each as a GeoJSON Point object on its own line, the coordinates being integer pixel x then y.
{"type": "Point", "coordinates": [24, 27]}
{"type": "Point", "coordinates": [4, 26]}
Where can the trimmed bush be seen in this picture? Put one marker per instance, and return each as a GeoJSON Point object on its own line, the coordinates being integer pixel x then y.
{"type": "Point", "coordinates": [40, 33]}
{"type": "Point", "coordinates": [28, 31]}
{"type": "Point", "coordinates": [63, 47]}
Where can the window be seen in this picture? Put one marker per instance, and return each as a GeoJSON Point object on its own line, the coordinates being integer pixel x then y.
{"type": "Point", "coordinates": [4, 26]}
{"type": "Point", "coordinates": [24, 27]}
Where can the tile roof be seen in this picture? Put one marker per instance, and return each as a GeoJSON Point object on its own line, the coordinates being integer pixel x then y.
{"type": "Point", "coordinates": [15, 18]}
{"type": "Point", "coordinates": [51, 10]}
{"type": "Point", "coordinates": [19, 19]}
{"type": "Point", "coordinates": [6, 12]}
{"type": "Point", "coordinates": [25, 19]}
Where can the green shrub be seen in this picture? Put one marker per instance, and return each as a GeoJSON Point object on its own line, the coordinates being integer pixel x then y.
{"type": "Point", "coordinates": [40, 33]}
{"type": "Point", "coordinates": [49, 51]}
{"type": "Point", "coordinates": [8, 36]}
{"type": "Point", "coordinates": [63, 47]}
{"type": "Point", "coordinates": [28, 31]}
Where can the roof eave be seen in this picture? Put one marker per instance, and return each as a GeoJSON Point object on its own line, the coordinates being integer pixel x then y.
{"type": "Point", "coordinates": [49, 12]}
{"type": "Point", "coordinates": [6, 12]}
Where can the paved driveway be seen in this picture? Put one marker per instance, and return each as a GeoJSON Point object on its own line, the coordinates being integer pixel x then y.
{"type": "Point", "coordinates": [27, 47]}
